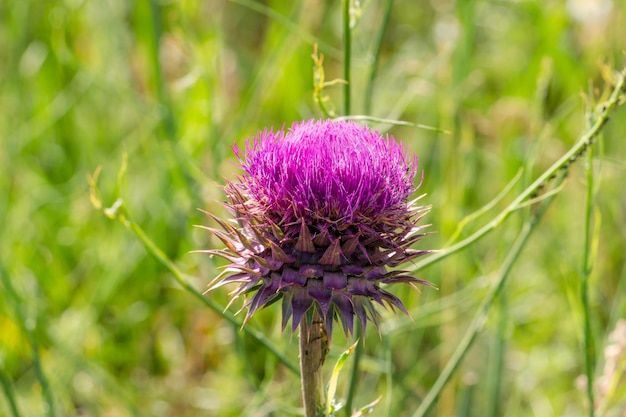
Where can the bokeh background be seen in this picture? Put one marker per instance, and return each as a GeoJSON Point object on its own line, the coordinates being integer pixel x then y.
{"type": "Point", "coordinates": [93, 325]}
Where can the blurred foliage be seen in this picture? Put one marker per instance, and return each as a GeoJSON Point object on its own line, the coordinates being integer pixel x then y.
{"type": "Point", "coordinates": [175, 84]}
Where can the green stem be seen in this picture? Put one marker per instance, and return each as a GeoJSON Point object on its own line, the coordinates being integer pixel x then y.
{"type": "Point", "coordinates": [588, 344]}
{"type": "Point", "coordinates": [560, 165]}
{"type": "Point", "coordinates": [389, 397]}
{"type": "Point", "coordinates": [481, 316]}
{"type": "Point", "coordinates": [169, 124]}
{"type": "Point", "coordinates": [313, 350]}
{"type": "Point", "coordinates": [346, 56]}
{"type": "Point", "coordinates": [366, 118]}
{"type": "Point", "coordinates": [496, 360]}
{"type": "Point", "coordinates": [158, 254]}
{"type": "Point", "coordinates": [8, 393]}
{"type": "Point", "coordinates": [39, 373]}
{"type": "Point", "coordinates": [180, 166]}
{"type": "Point", "coordinates": [369, 89]}
{"type": "Point", "coordinates": [354, 375]}
{"type": "Point", "coordinates": [290, 25]}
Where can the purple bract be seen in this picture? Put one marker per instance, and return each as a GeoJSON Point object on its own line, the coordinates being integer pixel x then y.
{"type": "Point", "coordinates": [322, 213]}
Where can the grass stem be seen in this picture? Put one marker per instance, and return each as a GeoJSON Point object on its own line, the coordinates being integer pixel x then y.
{"type": "Point", "coordinates": [21, 317]}
{"type": "Point", "coordinates": [588, 345]}
{"type": "Point", "coordinates": [560, 165]}
{"type": "Point", "coordinates": [481, 316]}
{"type": "Point", "coordinates": [347, 52]}
{"type": "Point", "coordinates": [160, 256]}
{"type": "Point", "coordinates": [169, 124]}
{"type": "Point", "coordinates": [496, 359]}
{"type": "Point", "coordinates": [121, 213]}
{"type": "Point", "coordinates": [8, 393]}
{"type": "Point", "coordinates": [369, 88]}
{"type": "Point", "coordinates": [354, 374]}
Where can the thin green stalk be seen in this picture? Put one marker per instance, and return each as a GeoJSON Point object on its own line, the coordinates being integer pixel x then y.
{"type": "Point", "coordinates": [8, 393]}
{"type": "Point", "coordinates": [369, 88]}
{"type": "Point", "coordinates": [157, 31]}
{"type": "Point", "coordinates": [21, 317]}
{"type": "Point", "coordinates": [118, 211]}
{"type": "Point", "coordinates": [180, 165]}
{"type": "Point", "coordinates": [481, 316]}
{"type": "Point", "coordinates": [560, 165]}
{"type": "Point", "coordinates": [72, 362]}
{"type": "Point", "coordinates": [264, 80]}
{"type": "Point", "coordinates": [346, 56]}
{"type": "Point", "coordinates": [464, 406]}
{"type": "Point", "coordinates": [389, 397]}
{"type": "Point", "coordinates": [293, 28]}
{"type": "Point", "coordinates": [366, 118]}
{"type": "Point", "coordinates": [354, 375]}
{"type": "Point", "coordinates": [587, 267]}
{"type": "Point", "coordinates": [496, 360]}
{"type": "Point", "coordinates": [154, 250]}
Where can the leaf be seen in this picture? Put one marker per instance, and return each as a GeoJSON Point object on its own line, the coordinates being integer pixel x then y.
{"type": "Point", "coordinates": [367, 409]}
{"type": "Point", "coordinates": [332, 383]}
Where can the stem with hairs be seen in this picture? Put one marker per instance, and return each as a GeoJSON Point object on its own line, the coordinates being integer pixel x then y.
{"type": "Point", "coordinates": [313, 351]}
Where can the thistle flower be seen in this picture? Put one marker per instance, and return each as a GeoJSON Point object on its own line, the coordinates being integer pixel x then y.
{"type": "Point", "coordinates": [322, 213]}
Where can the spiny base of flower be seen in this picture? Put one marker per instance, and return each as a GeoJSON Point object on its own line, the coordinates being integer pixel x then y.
{"type": "Point", "coordinates": [323, 218]}
{"type": "Point", "coordinates": [337, 273]}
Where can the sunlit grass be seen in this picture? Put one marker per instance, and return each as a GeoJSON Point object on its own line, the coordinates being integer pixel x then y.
{"type": "Point", "coordinates": [92, 323]}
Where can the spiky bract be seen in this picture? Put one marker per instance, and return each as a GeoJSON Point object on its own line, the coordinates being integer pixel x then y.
{"type": "Point", "coordinates": [321, 213]}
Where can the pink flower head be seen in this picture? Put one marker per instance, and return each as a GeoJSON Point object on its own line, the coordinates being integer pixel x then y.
{"type": "Point", "coordinates": [323, 212]}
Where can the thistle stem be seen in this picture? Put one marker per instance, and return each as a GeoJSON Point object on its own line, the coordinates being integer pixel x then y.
{"type": "Point", "coordinates": [347, 50]}
{"type": "Point", "coordinates": [313, 351]}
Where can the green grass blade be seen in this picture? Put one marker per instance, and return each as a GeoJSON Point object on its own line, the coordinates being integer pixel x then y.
{"type": "Point", "coordinates": [365, 118]}
{"type": "Point", "coordinates": [293, 28]}
{"type": "Point", "coordinates": [354, 374]}
{"type": "Point", "coordinates": [367, 409]}
{"type": "Point", "coordinates": [585, 141]}
{"type": "Point", "coordinates": [178, 275]}
{"type": "Point", "coordinates": [347, 55]}
{"type": "Point", "coordinates": [369, 88]}
{"type": "Point", "coordinates": [588, 343]}
{"type": "Point", "coordinates": [169, 124]}
{"type": "Point", "coordinates": [119, 212]}
{"type": "Point", "coordinates": [496, 359]}
{"type": "Point", "coordinates": [334, 377]}
{"type": "Point", "coordinates": [481, 316]}
{"type": "Point", "coordinates": [8, 393]}
{"type": "Point", "coordinates": [21, 317]}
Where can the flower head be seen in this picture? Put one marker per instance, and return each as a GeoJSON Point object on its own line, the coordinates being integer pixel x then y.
{"type": "Point", "coordinates": [322, 213]}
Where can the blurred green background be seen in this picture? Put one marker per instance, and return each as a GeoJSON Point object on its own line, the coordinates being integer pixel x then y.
{"type": "Point", "coordinates": [175, 84]}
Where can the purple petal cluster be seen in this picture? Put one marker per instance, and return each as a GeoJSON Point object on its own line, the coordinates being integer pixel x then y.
{"type": "Point", "coordinates": [322, 213]}
{"type": "Point", "coordinates": [327, 171]}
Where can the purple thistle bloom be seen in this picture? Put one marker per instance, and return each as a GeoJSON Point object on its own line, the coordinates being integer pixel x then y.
{"type": "Point", "coordinates": [322, 212]}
